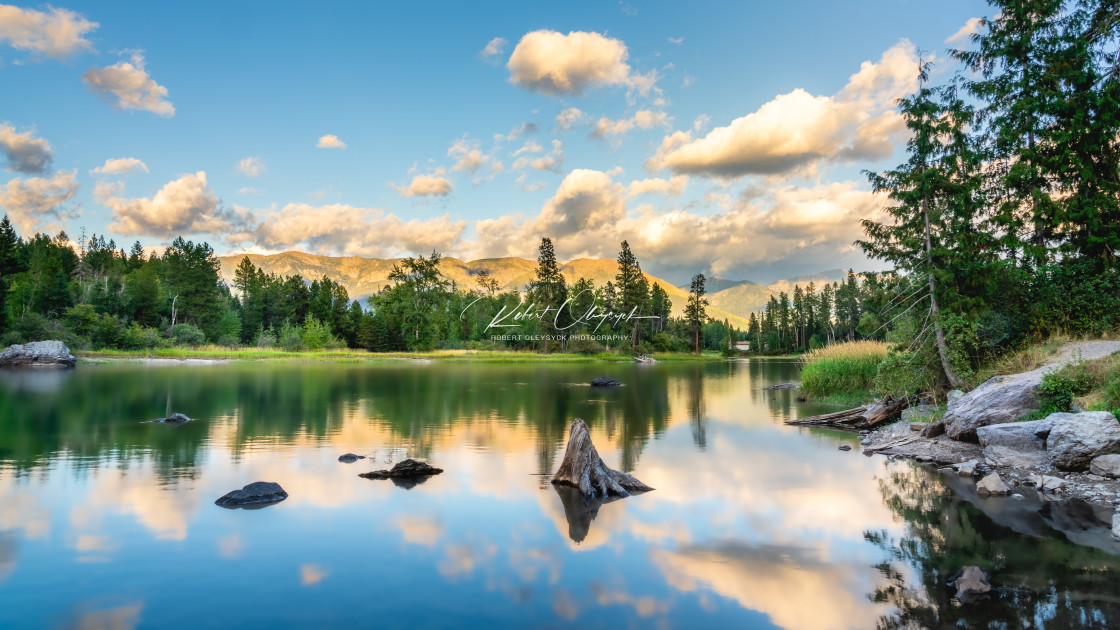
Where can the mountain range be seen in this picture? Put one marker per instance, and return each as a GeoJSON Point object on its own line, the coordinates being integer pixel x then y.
{"type": "Point", "coordinates": [733, 300]}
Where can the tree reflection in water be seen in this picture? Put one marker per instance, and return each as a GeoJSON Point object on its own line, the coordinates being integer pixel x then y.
{"type": "Point", "coordinates": [1038, 581]}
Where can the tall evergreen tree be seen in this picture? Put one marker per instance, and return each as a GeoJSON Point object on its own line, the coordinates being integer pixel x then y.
{"type": "Point", "coordinates": [549, 291]}
{"type": "Point", "coordinates": [696, 309]}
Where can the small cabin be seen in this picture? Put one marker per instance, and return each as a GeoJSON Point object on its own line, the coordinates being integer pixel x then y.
{"type": "Point", "coordinates": [741, 346]}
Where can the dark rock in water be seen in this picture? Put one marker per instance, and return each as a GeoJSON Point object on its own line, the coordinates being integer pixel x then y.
{"type": "Point", "coordinates": [174, 419]}
{"type": "Point", "coordinates": [789, 385]}
{"type": "Point", "coordinates": [971, 583]}
{"type": "Point", "coordinates": [38, 354]}
{"type": "Point", "coordinates": [605, 381]}
{"type": "Point", "coordinates": [256, 494]}
{"type": "Point", "coordinates": [350, 458]}
{"type": "Point", "coordinates": [844, 447]}
{"type": "Point", "coordinates": [408, 469]}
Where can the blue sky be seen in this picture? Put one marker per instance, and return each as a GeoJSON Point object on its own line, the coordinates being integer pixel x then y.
{"type": "Point", "coordinates": [726, 138]}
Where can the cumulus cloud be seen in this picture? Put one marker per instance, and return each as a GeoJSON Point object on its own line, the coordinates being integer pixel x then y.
{"type": "Point", "coordinates": [431, 185]}
{"type": "Point", "coordinates": [251, 167]}
{"type": "Point", "coordinates": [642, 119]}
{"type": "Point", "coordinates": [25, 153]}
{"type": "Point", "coordinates": [588, 216]}
{"type": "Point", "coordinates": [330, 141]}
{"type": "Point", "coordinates": [558, 64]}
{"type": "Point", "coordinates": [120, 166]}
{"type": "Point", "coordinates": [798, 130]}
{"type": "Point", "coordinates": [965, 33]}
{"type": "Point", "coordinates": [494, 49]}
{"type": "Point", "coordinates": [183, 206]}
{"type": "Point", "coordinates": [33, 203]}
{"type": "Point", "coordinates": [127, 85]}
{"type": "Point", "coordinates": [524, 129]}
{"type": "Point", "coordinates": [553, 161]}
{"type": "Point", "coordinates": [347, 230]}
{"type": "Point", "coordinates": [676, 40]}
{"type": "Point", "coordinates": [672, 187]}
{"type": "Point", "coordinates": [467, 154]}
{"type": "Point", "coordinates": [56, 33]}
{"type": "Point", "coordinates": [570, 117]}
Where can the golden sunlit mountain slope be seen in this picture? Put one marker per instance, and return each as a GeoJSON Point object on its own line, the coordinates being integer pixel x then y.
{"type": "Point", "coordinates": [363, 277]}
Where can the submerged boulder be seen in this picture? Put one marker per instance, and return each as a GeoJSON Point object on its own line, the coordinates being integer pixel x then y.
{"type": "Point", "coordinates": [350, 458]}
{"type": "Point", "coordinates": [1078, 438]}
{"type": "Point", "coordinates": [256, 494]}
{"type": "Point", "coordinates": [38, 354]}
{"type": "Point", "coordinates": [971, 583]}
{"type": "Point", "coordinates": [583, 468]}
{"type": "Point", "coordinates": [408, 469]}
{"type": "Point", "coordinates": [605, 381]}
{"type": "Point", "coordinates": [174, 419]}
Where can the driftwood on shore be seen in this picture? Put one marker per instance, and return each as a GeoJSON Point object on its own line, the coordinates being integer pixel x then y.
{"type": "Point", "coordinates": [584, 469]}
{"type": "Point", "coordinates": [859, 418]}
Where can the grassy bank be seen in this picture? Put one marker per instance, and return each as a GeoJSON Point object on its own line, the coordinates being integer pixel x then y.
{"type": "Point", "coordinates": [343, 356]}
{"type": "Point", "coordinates": [843, 373]}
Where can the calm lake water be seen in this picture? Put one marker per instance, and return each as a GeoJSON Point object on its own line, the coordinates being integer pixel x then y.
{"type": "Point", "coordinates": [108, 522]}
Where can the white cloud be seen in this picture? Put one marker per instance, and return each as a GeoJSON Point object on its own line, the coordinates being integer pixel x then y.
{"type": "Point", "coordinates": [57, 33]}
{"type": "Point", "coordinates": [672, 187]}
{"type": "Point", "coordinates": [120, 166]}
{"type": "Point", "coordinates": [494, 49]}
{"type": "Point", "coordinates": [643, 119]}
{"type": "Point", "coordinates": [248, 190]}
{"type": "Point", "coordinates": [553, 161]}
{"type": "Point", "coordinates": [430, 185]}
{"type": "Point", "coordinates": [965, 33]}
{"type": "Point", "coordinates": [557, 64]}
{"type": "Point", "coordinates": [33, 202]}
{"type": "Point", "coordinates": [349, 230]}
{"type": "Point", "coordinates": [183, 206]}
{"type": "Point", "coordinates": [524, 129]}
{"type": "Point", "coordinates": [25, 153]}
{"type": "Point", "coordinates": [796, 131]}
{"type": "Point", "coordinates": [330, 141]}
{"type": "Point", "coordinates": [676, 40]}
{"type": "Point", "coordinates": [467, 154]}
{"type": "Point", "coordinates": [588, 216]}
{"type": "Point", "coordinates": [569, 118]}
{"type": "Point", "coordinates": [127, 85]}
{"type": "Point", "coordinates": [251, 167]}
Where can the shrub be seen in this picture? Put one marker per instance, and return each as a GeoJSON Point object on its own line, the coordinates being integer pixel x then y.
{"type": "Point", "coordinates": [139, 337]}
{"type": "Point", "coordinates": [291, 337]}
{"type": "Point", "coordinates": [1060, 386]}
{"type": "Point", "coordinates": [842, 368]}
{"type": "Point", "coordinates": [187, 335]}
{"type": "Point", "coordinates": [265, 338]}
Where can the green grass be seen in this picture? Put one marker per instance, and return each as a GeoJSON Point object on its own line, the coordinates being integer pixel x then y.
{"type": "Point", "coordinates": [842, 370]}
{"type": "Point", "coordinates": [342, 356]}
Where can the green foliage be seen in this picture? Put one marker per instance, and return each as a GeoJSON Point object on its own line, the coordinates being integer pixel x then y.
{"type": "Point", "coordinates": [187, 335]}
{"type": "Point", "coordinates": [290, 337]}
{"type": "Point", "coordinates": [845, 367]}
{"type": "Point", "coordinates": [316, 335]}
{"type": "Point", "coordinates": [137, 337]}
{"type": "Point", "coordinates": [1059, 387]}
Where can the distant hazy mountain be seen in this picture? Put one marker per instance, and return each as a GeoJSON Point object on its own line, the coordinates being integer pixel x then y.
{"type": "Point", "coordinates": [742, 298]}
{"type": "Point", "coordinates": [363, 277]}
{"type": "Point", "coordinates": [830, 276]}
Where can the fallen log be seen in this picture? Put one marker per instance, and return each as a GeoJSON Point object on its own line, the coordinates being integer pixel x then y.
{"type": "Point", "coordinates": [864, 417]}
{"type": "Point", "coordinates": [583, 468]}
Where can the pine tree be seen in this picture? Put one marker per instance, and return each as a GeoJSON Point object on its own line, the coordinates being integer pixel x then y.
{"type": "Point", "coordinates": [631, 292]}
{"type": "Point", "coordinates": [549, 291]}
{"type": "Point", "coordinates": [696, 309]}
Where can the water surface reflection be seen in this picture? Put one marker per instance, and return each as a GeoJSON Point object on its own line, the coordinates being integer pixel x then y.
{"type": "Point", "coordinates": [753, 524]}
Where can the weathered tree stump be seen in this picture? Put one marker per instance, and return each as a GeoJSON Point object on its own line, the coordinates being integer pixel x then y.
{"type": "Point", "coordinates": [583, 468]}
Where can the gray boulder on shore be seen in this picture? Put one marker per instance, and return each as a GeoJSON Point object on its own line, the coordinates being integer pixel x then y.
{"type": "Point", "coordinates": [992, 485]}
{"type": "Point", "coordinates": [38, 354]}
{"type": "Point", "coordinates": [1078, 438]}
{"type": "Point", "coordinates": [998, 400]}
{"type": "Point", "coordinates": [1016, 444]}
{"type": "Point", "coordinates": [1106, 466]}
